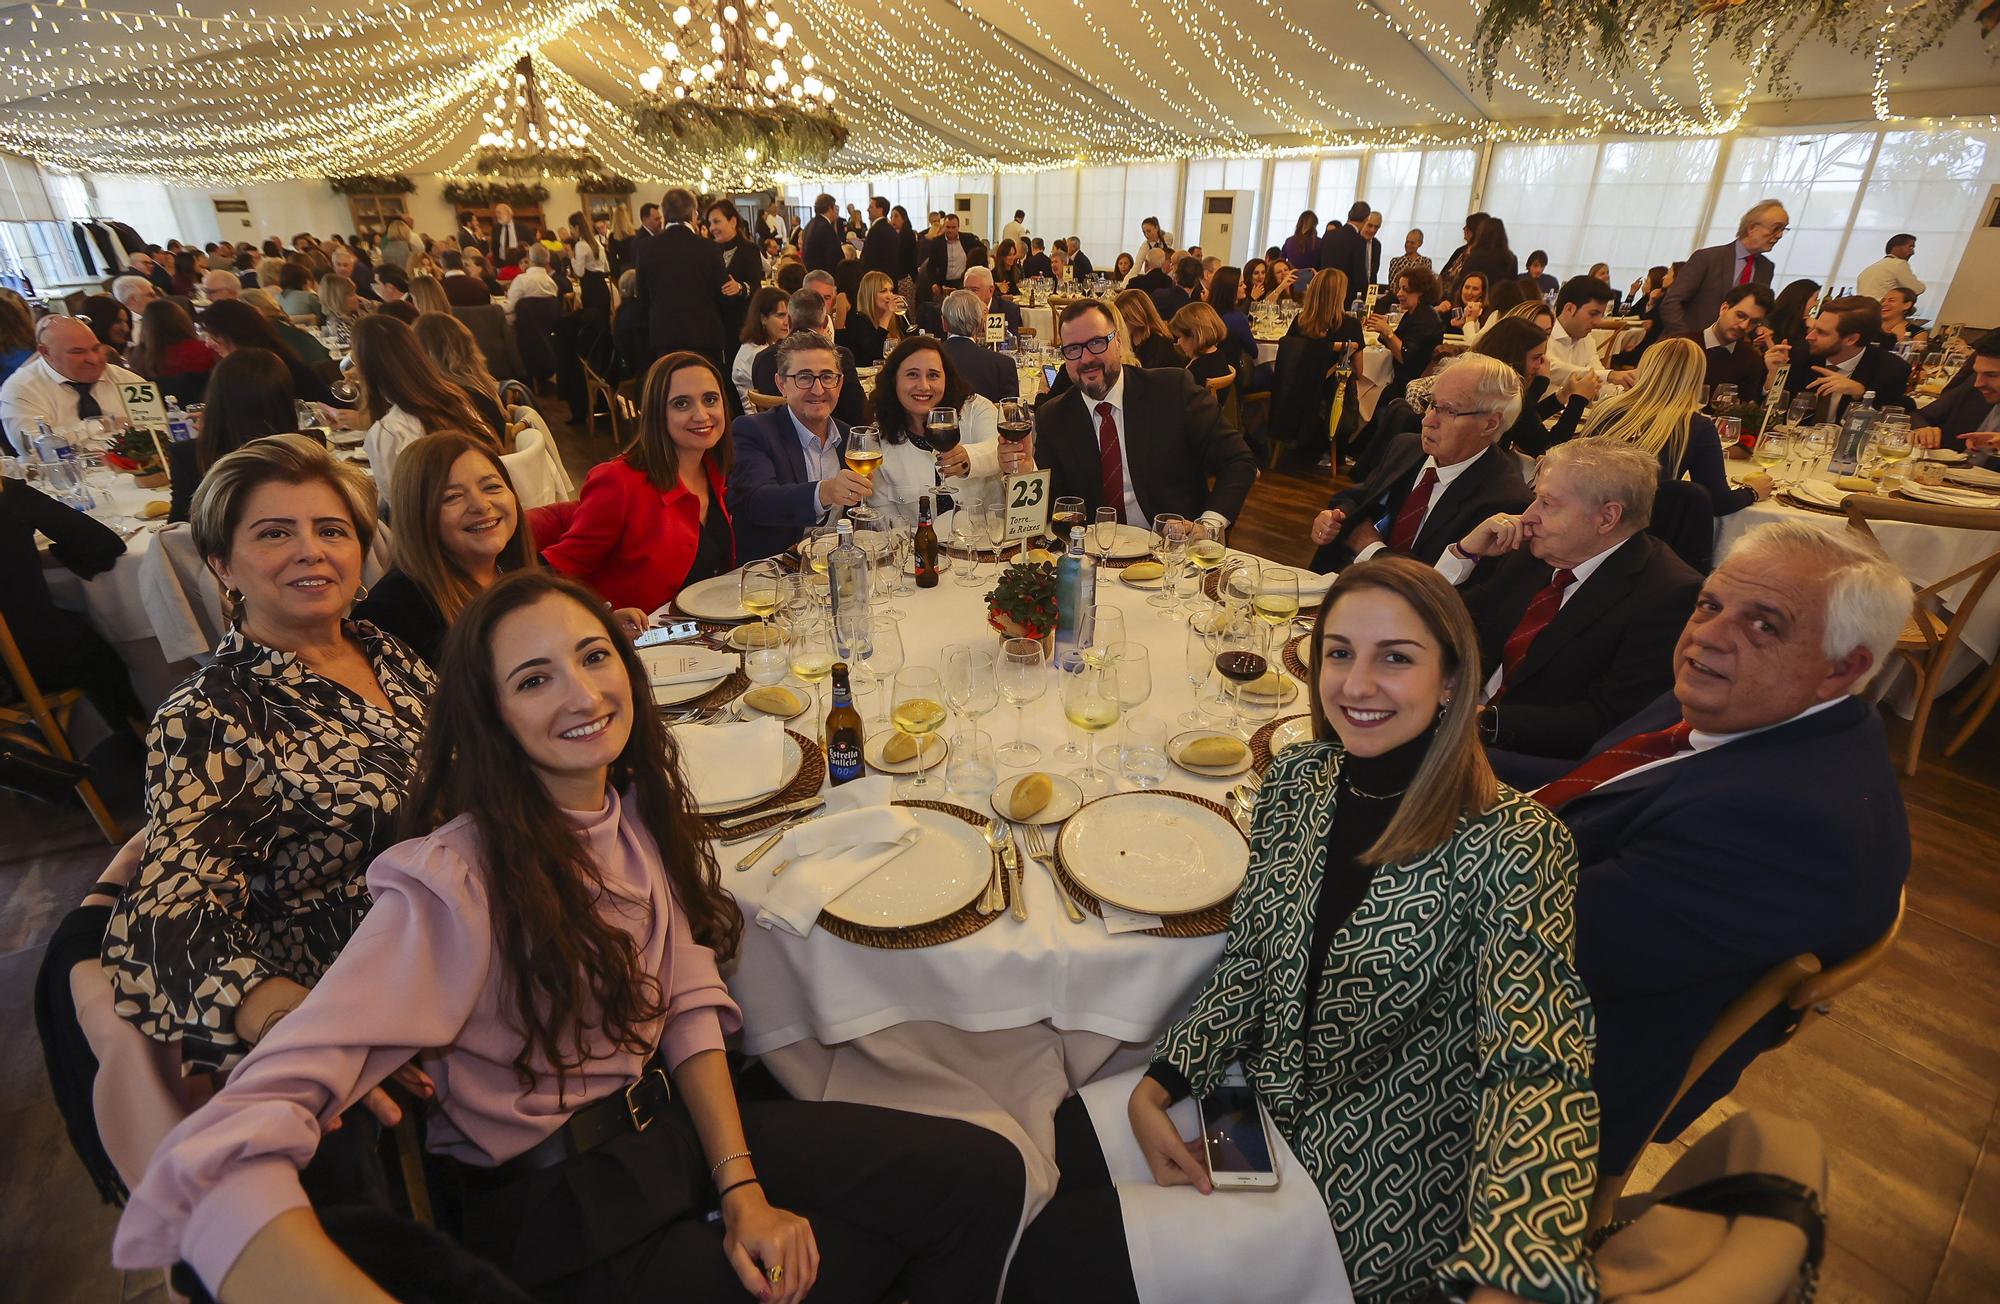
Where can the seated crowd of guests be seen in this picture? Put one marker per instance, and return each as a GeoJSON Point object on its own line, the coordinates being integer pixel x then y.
{"type": "Point", "coordinates": [1568, 795]}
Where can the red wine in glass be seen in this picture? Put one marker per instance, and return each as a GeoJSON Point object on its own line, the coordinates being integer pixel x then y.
{"type": "Point", "coordinates": [1061, 522]}
{"type": "Point", "coordinates": [1241, 667]}
{"type": "Point", "coordinates": [1016, 431]}
{"type": "Point", "coordinates": [942, 439]}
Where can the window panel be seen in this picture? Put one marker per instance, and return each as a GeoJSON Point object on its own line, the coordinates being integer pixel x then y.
{"type": "Point", "coordinates": [1100, 209]}
{"type": "Point", "coordinates": [1054, 208]}
{"type": "Point", "coordinates": [1291, 180]}
{"type": "Point", "coordinates": [1339, 186]}
{"type": "Point", "coordinates": [1392, 189]}
{"type": "Point", "coordinates": [1151, 189]}
{"type": "Point", "coordinates": [1930, 185]}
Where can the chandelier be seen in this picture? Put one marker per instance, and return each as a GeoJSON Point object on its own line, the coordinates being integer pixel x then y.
{"type": "Point", "coordinates": [531, 135]}
{"type": "Point", "coordinates": [730, 97]}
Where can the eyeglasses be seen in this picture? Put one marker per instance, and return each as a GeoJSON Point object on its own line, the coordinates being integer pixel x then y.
{"type": "Point", "coordinates": [814, 379]}
{"type": "Point", "coordinates": [1094, 346]}
{"type": "Point", "coordinates": [1446, 410]}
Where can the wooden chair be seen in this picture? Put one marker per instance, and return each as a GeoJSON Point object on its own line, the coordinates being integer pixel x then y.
{"type": "Point", "coordinates": [40, 723]}
{"type": "Point", "coordinates": [1224, 389]}
{"type": "Point", "coordinates": [1797, 984]}
{"type": "Point", "coordinates": [764, 402]}
{"type": "Point", "coordinates": [1929, 640]}
{"type": "Point", "coordinates": [595, 389]}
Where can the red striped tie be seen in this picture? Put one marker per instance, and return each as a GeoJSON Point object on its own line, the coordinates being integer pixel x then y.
{"type": "Point", "coordinates": [1410, 517]}
{"type": "Point", "coordinates": [1612, 762]}
{"type": "Point", "coordinates": [1110, 463]}
{"type": "Point", "coordinates": [1541, 610]}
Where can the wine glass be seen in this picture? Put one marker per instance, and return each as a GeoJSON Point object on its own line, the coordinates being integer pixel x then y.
{"type": "Point", "coordinates": [810, 652]}
{"type": "Point", "coordinates": [1022, 681]}
{"type": "Point", "coordinates": [1277, 600]}
{"type": "Point", "coordinates": [1237, 582]}
{"type": "Point", "coordinates": [993, 513]}
{"type": "Point", "coordinates": [1199, 654]}
{"type": "Point", "coordinates": [969, 682]}
{"type": "Point", "coordinates": [1131, 666]}
{"type": "Point", "coordinates": [1722, 400]}
{"type": "Point", "coordinates": [1773, 448]}
{"type": "Point", "coordinates": [1064, 516]}
{"type": "Point", "coordinates": [760, 588]}
{"type": "Point", "coordinates": [884, 659]}
{"type": "Point", "coordinates": [1090, 703]}
{"type": "Point", "coordinates": [1238, 660]}
{"type": "Point", "coordinates": [863, 456]}
{"type": "Point", "coordinates": [1891, 444]}
{"type": "Point", "coordinates": [1207, 549]}
{"type": "Point", "coordinates": [1107, 627]}
{"type": "Point", "coordinates": [1170, 545]}
{"type": "Point", "coordinates": [1104, 533]}
{"type": "Point", "coordinates": [885, 565]}
{"type": "Point", "coordinates": [344, 392]}
{"type": "Point", "coordinates": [1017, 420]}
{"type": "Point", "coordinates": [919, 712]}
{"type": "Point", "coordinates": [941, 429]}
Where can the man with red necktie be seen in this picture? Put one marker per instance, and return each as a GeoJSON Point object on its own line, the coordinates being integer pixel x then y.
{"type": "Point", "coordinates": [1749, 816]}
{"type": "Point", "coordinates": [1577, 607]}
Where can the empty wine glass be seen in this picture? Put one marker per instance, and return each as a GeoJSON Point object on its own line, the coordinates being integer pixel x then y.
{"type": "Point", "coordinates": [1104, 533]}
{"type": "Point", "coordinates": [993, 512]}
{"type": "Point", "coordinates": [1170, 541]}
{"type": "Point", "coordinates": [970, 684]}
{"type": "Point", "coordinates": [1023, 680]}
{"type": "Point", "coordinates": [1131, 666]}
{"type": "Point", "coordinates": [1199, 656]}
{"type": "Point", "coordinates": [884, 659]}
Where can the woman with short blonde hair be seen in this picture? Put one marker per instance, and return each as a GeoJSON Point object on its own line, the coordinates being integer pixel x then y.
{"type": "Point", "coordinates": [1199, 333]}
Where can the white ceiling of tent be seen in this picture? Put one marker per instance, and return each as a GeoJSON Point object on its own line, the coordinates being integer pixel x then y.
{"type": "Point", "coordinates": [206, 92]}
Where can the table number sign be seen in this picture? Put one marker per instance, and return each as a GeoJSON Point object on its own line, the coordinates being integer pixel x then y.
{"type": "Point", "coordinates": [996, 328]}
{"type": "Point", "coordinates": [143, 405]}
{"type": "Point", "coordinates": [1027, 499]}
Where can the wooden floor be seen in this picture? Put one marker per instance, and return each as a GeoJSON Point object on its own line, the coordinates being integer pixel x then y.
{"type": "Point", "coordinates": [1902, 1080]}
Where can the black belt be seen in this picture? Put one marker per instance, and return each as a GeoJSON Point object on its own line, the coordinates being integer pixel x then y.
{"type": "Point", "coordinates": [619, 1114]}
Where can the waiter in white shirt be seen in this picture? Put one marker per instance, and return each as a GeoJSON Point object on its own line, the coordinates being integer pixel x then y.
{"type": "Point", "coordinates": [1891, 271]}
{"type": "Point", "coordinates": [67, 381]}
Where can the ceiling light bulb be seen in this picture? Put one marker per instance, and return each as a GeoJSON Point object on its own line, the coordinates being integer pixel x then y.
{"type": "Point", "coordinates": [806, 63]}
{"type": "Point", "coordinates": [650, 79]}
{"type": "Point", "coordinates": [729, 13]}
{"type": "Point", "coordinates": [683, 16]}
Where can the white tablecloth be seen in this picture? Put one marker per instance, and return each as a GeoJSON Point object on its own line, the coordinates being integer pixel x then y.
{"type": "Point", "coordinates": [112, 601]}
{"type": "Point", "coordinates": [1042, 319]}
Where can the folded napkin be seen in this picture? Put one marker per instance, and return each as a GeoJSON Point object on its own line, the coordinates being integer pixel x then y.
{"type": "Point", "coordinates": [733, 764]}
{"type": "Point", "coordinates": [685, 665]}
{"type": "Point", "coordinates": [1312, 584]}
{"type": "Point", "coordinates": [860, 833]}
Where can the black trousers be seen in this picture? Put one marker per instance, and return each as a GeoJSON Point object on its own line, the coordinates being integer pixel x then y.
{"type": "Point", "coordinates": [1075, 1249]}
{"type": "Point", "coordinates": [903, 1206]}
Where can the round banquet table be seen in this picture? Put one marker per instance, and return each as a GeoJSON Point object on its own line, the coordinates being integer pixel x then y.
{"type": "Point", "coordinates": [999, 1026]}
{"type": "Point", "coordinates": [1039, 318]}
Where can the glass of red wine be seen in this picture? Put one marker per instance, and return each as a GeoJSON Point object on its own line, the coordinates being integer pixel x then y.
{"type": "Point", "coordinates": [1017, 420]}
{"type": "Point", "coordinates": [1238, 660]}
{"type": "Point", "coordinates": [941, 429]}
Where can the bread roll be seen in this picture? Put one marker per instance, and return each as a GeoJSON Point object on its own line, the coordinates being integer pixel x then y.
{"type": "Point", "coordinates": [1145, 570]}
{"type": "Point", "coordinates": [900, 747]}
{"type": "Point", "coordinates": [773, 700]}
{"type": "Point", "coordinates": [1213, 751]}
{"type": "Point", "coordinates": [1030, 795]}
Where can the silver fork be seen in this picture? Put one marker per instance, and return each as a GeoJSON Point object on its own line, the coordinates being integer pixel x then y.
{"type": "Point", "coordinates": [1038, 850]}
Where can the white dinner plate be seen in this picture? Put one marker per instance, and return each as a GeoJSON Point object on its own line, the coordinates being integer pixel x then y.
{"type": "Point", "coordinates": [944, 872]}
{"type": "Point", "coordinates": [1155, 853]}
{"type": "Point", "coordinates": [1131, 541]}
{"type": "Point", "coordinates": [1950, 456]}
{"type": "Point", "coordinates": [1180, 742]}
{"type": "Point", "coordinates": [1819, 493]}
{"type": "Point", "coordinates": [1947, 495]}
{"type": "Point", "coordinates": [745, 637]}
{"type": "Point", "coordinates": [1288, 687]}
{"type": "Point", "coordinates": [1063, 801]}
{"type": "Point", "coordinates": [1292, 732]}
{"type": "Point", "coordinates": [1147, 585]}
{"type": "Point", "coordinates": [745, 712]}
{"type": "Point", "coordinates": [714, 598]}
{"type": "Point", "coordinates": [675, 694]}
{"type": "Point", "coordinates": [935, 750]}
{"type": "Point", "coordinates": [794, 759]}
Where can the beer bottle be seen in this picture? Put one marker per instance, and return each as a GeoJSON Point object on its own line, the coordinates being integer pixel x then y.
{"type": "Point", "coordinates": [843, 731]}
{"type": "Point", "coordinates": [925, 546]}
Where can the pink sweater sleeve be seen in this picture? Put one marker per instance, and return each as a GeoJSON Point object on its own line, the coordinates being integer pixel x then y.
{"type": "Point", "coordinates": [406, 982]}
{"type": "Point", "coordinates": [699, 1008]}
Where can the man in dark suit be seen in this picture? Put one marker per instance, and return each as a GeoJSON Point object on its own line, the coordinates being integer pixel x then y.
{"type": "Point", "coordinates": [1346, 249]}
{"type": "Point", "coordinates": [506, 234]}
{"type": "Point", "coordinates": [979, 282]}
{"type": "Point", "coordinates": [1967, 414]}
{"type": "Point", "coordinates": [1152, 276]}
{"type": "Point", "coordinates": [1143, 441]}
{"type": "Point", "coordinates": [650, 222]}
{"type": "Point", "coordinates": [809, 311]}
{"type": "Point", "coordinates": [878, 247]}
{"type": "Point", "coordinates": [1845, 361]}
{"type": "Point", "coordinates": [1079, 264]}
{"type": "Point", "coordinates": [468, 230]}
{"type": "Point", "coordinates": [1036, 263]}
{"type": "Point", "coordinates": [1747, 817]}
{"type": "Point", "coordinates": [1733, 358]}
{"type": "Point", "coordinates": [950, 254]}
{"type": "Point", "coordinates": [1185, 289]}
{"type": "Point", "coordinates": [819, 245]}
{"type": "Point", "coordinates": [1577, 607]}
{"type": "Point", "coordinates": [788, 472]}
{"type": "Point", "coordinates": [1434, 484]}
{"type": "Point", "coordinates": [683, 280]}
{"type": "Point", "coordinates": [1696, 294]}
{"type": "Point", "coordinates": [963, 316]}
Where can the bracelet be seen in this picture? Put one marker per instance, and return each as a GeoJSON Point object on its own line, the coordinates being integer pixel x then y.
{"type": "Point", "coordinates": [1462, 554]}
{"type": "Point", "coordinates": [716, 1171]}
{"type": "Point", "coordinates": [748, 1181]}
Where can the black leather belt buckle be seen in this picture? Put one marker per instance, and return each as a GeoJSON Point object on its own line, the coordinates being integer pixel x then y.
{"type": "Point", "coordinates": [644, 1098]}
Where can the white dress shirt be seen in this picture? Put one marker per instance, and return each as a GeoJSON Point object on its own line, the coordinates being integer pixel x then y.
{"type": "Point", "coordinates": [1446, 474]}
{"type": "Point", "coordinates": [585, 259]}
{"type": "Point", "coordinates": [740, 370]}
{"type": "Point", "coordinates": [822, 456]}
{"type": "Point", "coordinates": [1456, 570]}
{"type": "Point", "coordinates": [954, 260]}
{"type": "Point", "coordinates": [532, 283]}
{"type": "Point", "coordinates": [1569, 356]}
{"type": "Point", "coordinates": [384, 440]}
{"type": "Point", "coordinates": [37, 390]}
{"type": "Point", "coordinates": [1129, 510]}
{"type": "Point", "coordinates": [1886, 274]}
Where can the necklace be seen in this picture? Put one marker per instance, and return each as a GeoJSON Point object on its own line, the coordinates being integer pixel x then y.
{"type": "Point", "coordinates": [1350, 785]}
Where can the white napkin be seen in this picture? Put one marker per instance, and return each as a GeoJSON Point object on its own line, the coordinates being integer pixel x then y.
{"type": "Point", "coordinates": [685, 665]}
{"type": "Point", "coordinates": [1312, 584]}
{"type": "Point", "coordinates": [860, 833]}
{"type": "Point", "coordinates": [734, 764]}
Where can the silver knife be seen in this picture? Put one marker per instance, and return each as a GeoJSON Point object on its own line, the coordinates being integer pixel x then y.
{"type": "Point", "coordinates": [1013, 859]}
{"type": "Point", "coordinates": [793, 808]}
{"type": "Point", "coordinates": [763, 848]}
{"type": "Point", "coordinates": [789, 821]}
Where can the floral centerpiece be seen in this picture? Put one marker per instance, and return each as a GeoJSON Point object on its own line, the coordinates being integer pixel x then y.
{"type": "Point", "coordinates": [1023, 603]}
{"type": "Point", "coordinates": [135, 453]}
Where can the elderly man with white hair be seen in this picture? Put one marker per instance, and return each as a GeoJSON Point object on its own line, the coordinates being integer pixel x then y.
{"type": "Point", "coordinates": [986, 372]}
{"type": "Point", "coordinates": [1695, 297]}
{"type": "Point", "coordinates": [534, 282]}
{"type": "Point", "coordinates": [220, 286]}
{"type": "Point", "coordinates": [1432, 485]}
{"type": "Point", "coordinates": [1748, 816]}
{"type": "Point", "coordinates": [66, 381]}
{"type": "Point", "coordinates": [979, 281]}
{"type": "Point", "coordinates": [135, 292]}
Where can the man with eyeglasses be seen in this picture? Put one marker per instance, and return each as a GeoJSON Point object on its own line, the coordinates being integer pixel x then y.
{"type": "Point", "coordinates": [1145, 441]}
{"type": "Point", "coordinates": [789, 471]}
{"type": "Point", "coordinates": [1434, 484]}
{"type": "Point", "coordinates": [1691, 303]}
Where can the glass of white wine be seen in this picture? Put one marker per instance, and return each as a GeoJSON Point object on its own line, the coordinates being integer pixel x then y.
{"type": "Point", "coordinates": [1772, 451]}
{"type": "Point", "coordinates": [760, 588]}
{"type": "Point", "coordinates": [810, 650]}
{"type": "Point", "coordinates": [1276, 603]}
{"type": "Point", "coordinates": [919, 712]}
{"type": "Point", "coordinates": [1891, 444]}
{"type": "Point", "coordinates": [1090, 703]}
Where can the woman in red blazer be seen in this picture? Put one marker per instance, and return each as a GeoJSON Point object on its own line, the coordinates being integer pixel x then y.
{"type": "Point", "coordinates": [653, 519]}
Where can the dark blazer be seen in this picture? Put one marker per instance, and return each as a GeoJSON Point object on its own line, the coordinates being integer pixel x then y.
{"type": "Point", "coordinates": [1608, 652]}
{"type": "Point", "coordinates": [468, 238]}
{"type": "Point", "coordinates": [1699, 875]}
{"type": "Point", "coordinates": [1344, 248]}
{"type": "Point", "coordinates": [1956, 413]}
{"type": "Point", "coordinates": [1503, 266]}
{"type": "Point", "coordinates": [1181, 452]}
{"type": "Point", "coordinates": [848, 408]}
{"type": "Point", "coordinates": [680, 277]}
{"type": "Point", "coordinates": [1741, 366]}
{"type": "Point", "coordinates": [879, 249]}
{"type": "Point", "coordinates": [1151, 282]}
{"type": "Point", "coordinates": [1491, 484]}
{"type": "Point", "coordinates": [397, 605]}
{"type": "Point", "coordinates": [1421, 330]}
{"type": "Point", "coordinates": [984, 370]}
{"type": "Point", "coordinates": [1037, 265]}
{"type": "Point", "coordinates": [1691, 303]}
{"type": "Point", "coordinates": [1374, 261]}
{"type": "Point", "coordinates": [1878, 370]}
{"type": "Point", "coordinates": [935, 258]}
{"type": "Point", "coordinates": [498, 241]}
{"type": "Point", "coordinates": [742, 261]}
{"type": "Point", "coordinates": [820, 246]}
{"type": "Point", "coordinates": [466, 291]}
{"type": "Point", "coordinates": [1080, 266]}
{"type": "Point", "coordinates": [771, 497]}
{"type": "Point", "coordinates": [1170, 301]}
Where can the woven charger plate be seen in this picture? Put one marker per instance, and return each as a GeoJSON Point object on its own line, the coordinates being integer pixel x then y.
{"type": "Point", "coordinates": [720, 695]}
{"type": "Point", "coordinates": [1201, 923]}
{"type": "Point", "coordinates": [1260, 742]}
{"type": "Point", "coordinates": [960, 923]}
{"type": "Point", "coordinates": [812, 773]}
{"type": "Point", "coordinates": [1294, 666]}
{"type": "Point", "coordinates": [1211, 585]}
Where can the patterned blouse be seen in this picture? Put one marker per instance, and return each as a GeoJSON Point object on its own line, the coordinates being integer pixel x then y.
{"type": "Point", "coordinates": [268, 791]}
{"type": "Point", "coordinates": [1437, 1085]}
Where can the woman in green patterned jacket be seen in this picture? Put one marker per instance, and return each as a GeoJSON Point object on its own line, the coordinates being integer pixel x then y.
{"type": "Point", "coordinates": [1398, 986]}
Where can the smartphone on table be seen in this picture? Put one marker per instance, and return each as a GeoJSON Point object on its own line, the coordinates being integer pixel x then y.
{"type": "Point", "coordinates": [673, 632]}
{"type": "Point", "coordinates": [1235, 1135]}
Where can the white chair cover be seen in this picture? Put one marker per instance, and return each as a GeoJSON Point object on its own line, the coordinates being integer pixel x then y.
{"type": "Point", "coordinates": [539, 478]}
{"type": "Point", "coordinates": [182, 597]}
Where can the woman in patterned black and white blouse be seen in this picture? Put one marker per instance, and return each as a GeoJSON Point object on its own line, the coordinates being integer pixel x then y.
{"type": "Point", "coordinates": [273, 774]}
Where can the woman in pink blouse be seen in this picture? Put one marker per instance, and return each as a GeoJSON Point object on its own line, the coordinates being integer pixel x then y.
{"type": "Point", "coordinates": [564, 1004]}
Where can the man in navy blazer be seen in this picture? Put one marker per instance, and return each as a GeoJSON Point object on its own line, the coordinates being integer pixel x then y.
{"type": "Point", "coordinates": [788, 471]}
{"type": "Point", "coordinates": [1966, 415]}
{"type": "Point", "coordinates": [1749, 816]}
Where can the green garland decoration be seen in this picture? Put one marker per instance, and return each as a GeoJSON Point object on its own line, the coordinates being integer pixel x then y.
{"type": "Point", "coordinates": [372, 184]}
{"type": "Point", "coordinates": [537, 163]}
{"type": "Point", "coordinates": [781, 137]}
{"type": "Point", "coordinates": [610, 184]}
{"type": "Point", "coordinates": [485, 194]}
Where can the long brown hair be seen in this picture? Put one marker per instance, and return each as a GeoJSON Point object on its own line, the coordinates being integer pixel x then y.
{"type": "Point", "coordinates": [453, 347]}
{"type": "Point", "coordinates": [166, 324]}
{"type": "Point", "coordinates": [423, 470]}
{"type": "Point", "coordinates": [566, 970]}
{"type": "Point", "coordinates": [1142, 316]}
{"type": "Point", "coordinates": [1454, 781]}
{"type": "Point", "coordinates": [652, 449]}
{"type": "Point", "coordinates": [394, 369]}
